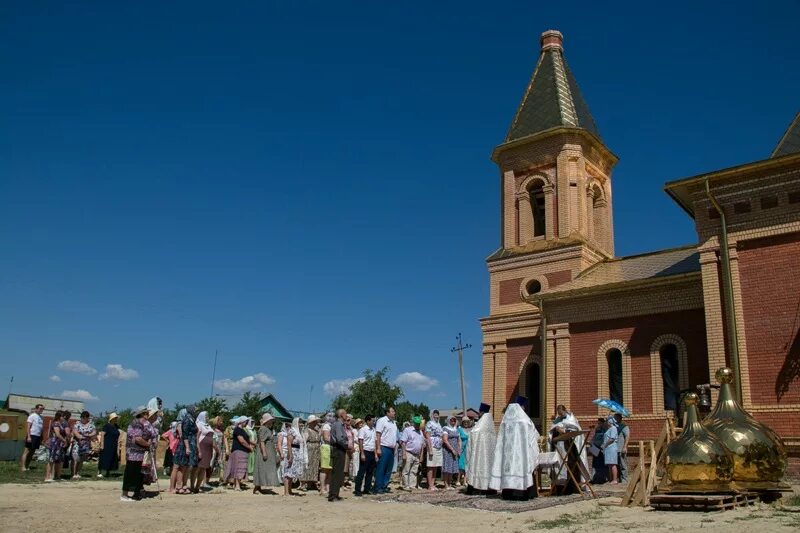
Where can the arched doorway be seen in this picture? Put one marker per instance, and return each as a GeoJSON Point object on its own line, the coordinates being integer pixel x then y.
{"type": "Point", "coordinates": [533, 376]}
{"type": "Point", "coordinates": [670, 377]}
{"type": "Point", "coordinates": [615, 387]}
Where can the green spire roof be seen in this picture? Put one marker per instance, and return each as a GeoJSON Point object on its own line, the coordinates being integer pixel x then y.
{"type": "Point", "coordinates": [552, 98]}
{"type": "Point", "coordinates": [790, 142]}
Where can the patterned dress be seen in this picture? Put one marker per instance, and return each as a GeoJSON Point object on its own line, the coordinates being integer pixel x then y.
{"type": "Point", "coordinates": [266, 472]}
{"type": "Point", "coordinates": [83, 446]}
{"type": "Point", "coordinates": [295, 470]}
{"type": "Point", "coordinates": [184, 457]}
{"type": "Point", "coordinates": [56, 449]}
{"type": "Point", "coordinates": [313, 440]}
{"type": "Point", "coordinates": [449, 460]}
{"type": "Point", "coordinates": [149, 472]}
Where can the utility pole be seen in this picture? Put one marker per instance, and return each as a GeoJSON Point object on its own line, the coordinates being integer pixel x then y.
{"type": "Point", "coordinates": [214, 372]}
{"type": "Point", "coordinates": [460, 349]}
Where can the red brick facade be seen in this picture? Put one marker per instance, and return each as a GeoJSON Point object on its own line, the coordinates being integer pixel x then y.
{"type": "Point", "coordinates": [771, 302]}
{"type": "Point", "coordinates": [510, 291]}
{"type": "Point", "coordinates": [638, 333]}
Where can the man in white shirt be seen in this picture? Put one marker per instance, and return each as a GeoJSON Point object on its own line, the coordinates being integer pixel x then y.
{"type": "Point", "coordinates": [385, 444]}
{"type": "Point", "coordinates": [366, 468]}
{"type": "Point", "coordinates": [33, 436]}
{"type": "Point", "coordinates": [413, 442]}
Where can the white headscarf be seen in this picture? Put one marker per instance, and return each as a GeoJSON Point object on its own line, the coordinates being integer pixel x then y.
{"type": "Point", "coordinates": [302, 441]}
{"type": "Point", "coordinates": [202, 424]}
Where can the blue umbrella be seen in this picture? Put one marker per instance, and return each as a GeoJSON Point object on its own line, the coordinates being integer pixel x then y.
{"type": "Point", "coordinates": [612, 406]}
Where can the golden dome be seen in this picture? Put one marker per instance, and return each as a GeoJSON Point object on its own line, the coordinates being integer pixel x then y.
{"type": "Point", "coordinates": [697, 460]}
{"type": "Point", "coordinates": [758, 453]}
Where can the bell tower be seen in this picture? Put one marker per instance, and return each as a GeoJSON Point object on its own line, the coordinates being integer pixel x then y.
{"type": "Point", "coordinates": [556, 221]}
{"type": "Point", "coordinates": [556, 171]}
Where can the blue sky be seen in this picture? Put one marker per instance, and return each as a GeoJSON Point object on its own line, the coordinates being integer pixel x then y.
{"type": "Point", "coordinates": [306, 186]}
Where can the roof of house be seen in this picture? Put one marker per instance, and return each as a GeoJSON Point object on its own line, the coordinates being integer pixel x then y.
{"type": "Point", "coordinates": [271, 405]}
{"type": "Point", "coordinates": [790, 142]}
{"type": "Point", "coordinates": [614, 272]}
{"type": "Point", "coordinates": [552, 99]}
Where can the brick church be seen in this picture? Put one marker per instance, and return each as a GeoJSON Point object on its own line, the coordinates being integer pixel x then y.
{"type": "Point", "coordinates": [643, 328]}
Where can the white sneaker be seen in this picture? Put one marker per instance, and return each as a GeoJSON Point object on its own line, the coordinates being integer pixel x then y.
{"type": "Point", "coordinates": [126, 499]}
{"type": "Point", "coordinates": [99, 475]}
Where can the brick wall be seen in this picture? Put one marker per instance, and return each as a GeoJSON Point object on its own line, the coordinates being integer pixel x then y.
{"type": "Point", "coordinates": [518, 352]}
{"type": "Point", "coordinates": [509, 291]}
{"type": "Point", "coordinates": [638, 333]}
{"type": "Point", "coordinates": [557, 278]}
{"type": "Point", "coordinates": [770, 279]}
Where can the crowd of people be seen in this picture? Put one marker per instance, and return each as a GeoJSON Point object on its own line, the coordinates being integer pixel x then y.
{"type": "Point", "coordinates": [329, 453]}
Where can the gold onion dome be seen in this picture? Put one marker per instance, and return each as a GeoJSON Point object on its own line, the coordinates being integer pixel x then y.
{"type": "Point", "coordinates": [697, 460]}
{"type": "Point", "coordinates": [759, 457]}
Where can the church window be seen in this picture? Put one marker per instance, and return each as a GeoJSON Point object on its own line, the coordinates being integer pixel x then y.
{"type": "Point", "coordinates": [614, 358]}
{"type": "Point", "coordinates": [533, 386]}
{"type": "Point", "coordinates": [794, 197]}
{"type": "Point", "coordinates": [741, 207]}
{"type": "Point", "coordinates": [533, 287]}
{"type": "Point", "coordinates": [670, 376]}
{"type": "Point", "coordinates": [769, 202]}
{"type": "Point", "coordinates": [536, 193]}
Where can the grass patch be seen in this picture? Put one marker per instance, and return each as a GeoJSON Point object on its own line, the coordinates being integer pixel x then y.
{"type": "Point", "coordinates": [10, 473]}
{"type": "Point", "coordinates": [566, 520]}
{"type": "Point", "coordinates": [792, 501]}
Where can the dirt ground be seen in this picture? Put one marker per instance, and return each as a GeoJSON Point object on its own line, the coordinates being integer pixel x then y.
{"type": "Point", "coordinates": [95, 506]}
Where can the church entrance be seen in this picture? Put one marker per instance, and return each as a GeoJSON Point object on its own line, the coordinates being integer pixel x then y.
{"type": "Point", "coordinates": [532, 387]}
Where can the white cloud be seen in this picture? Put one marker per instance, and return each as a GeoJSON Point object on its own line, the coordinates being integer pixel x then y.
{"type": "Point", "coordinates": [80, 394]}
{"type": "Point", "coordinates": [336, 387]}
{"type": "Point", "coordinates": [116, 371]}
{"type": "Point", "coordinates": [247, 383]}
{"type": "Point", "coordinates": [55, 379]}
{"type": "Point", "coordinates": [76, 366]}
{"type": "Point", "coordinates": [416, 381]}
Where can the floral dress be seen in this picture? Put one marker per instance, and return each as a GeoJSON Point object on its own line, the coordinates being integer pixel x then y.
{"type": "Point", "coordinates": [56, 448]}
{"type": "Point", "coordinates": [84, 445]}
{"type": "Point", "coordinates": [449, 460]}
{"type": "Point", "coordinates": [184, 457]}
{"type": "Point", "coordinates": [295, 470]}
{"type": "Point", "coordinates": [149, 472]}
{"type": "Point", "coordinates": [313, 438]}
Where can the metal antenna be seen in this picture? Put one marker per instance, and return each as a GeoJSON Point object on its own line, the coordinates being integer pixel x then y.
{"type": "Point", "coordinates": [214, 372]}
{"type": "Point", "coordinates": [460, 349]}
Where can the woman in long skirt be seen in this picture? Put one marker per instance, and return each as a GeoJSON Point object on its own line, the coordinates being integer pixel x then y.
{"type": "Point", "coordinates": [236, 467]}
{"type": "Point", "coordinates": [312, 436]}
{"type": "Point", "coordinates": [186, 454]}
{"type": "Point", "coordinates": [252, 436]}
{"type": "Point", "coordinates": [109, 455]}
{"type": "Point", "coordinates": [291, 457]}
{"type": "Point", "coordinates": [451, 449]}
{"type": "Point", "coordinates": [266, 469]}
{"type": "Point", "coordinates": [325, 466]}
{"type": "Point", "coordinates": [463, 432]}
{"type": "Point", "coordinates": [205, 443]}
{"type": "Point", "coordinates": [56, 448]}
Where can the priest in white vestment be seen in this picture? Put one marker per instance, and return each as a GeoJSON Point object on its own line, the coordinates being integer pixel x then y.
{"type": "Point", "coordinates": [566, 422]}
{"type": "Point", "coordinates": [482, 439]}
{"type": "Point", "coordinates": [515, 455]}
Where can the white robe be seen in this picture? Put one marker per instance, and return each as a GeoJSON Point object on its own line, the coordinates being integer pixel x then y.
{"type": "Point", "coordinates": [515, 452]}
{"type": "Point", "coordinates": [482, 439]}
{"type": "Point", "coordinates": [570, 423]}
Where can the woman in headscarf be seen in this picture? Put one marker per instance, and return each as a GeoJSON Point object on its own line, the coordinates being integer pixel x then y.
{"type": "Point", "coordinates": [56, 448]}
{"type": "Point", "coordinates": [236, 467]}
{"type": "Point", "coordinates": [218, 463]}
{"type": "Point", "coordinates": [205, 443]}
{"type": "Point", "coordinates": [171, 436]}
{"type": "Point", "coordinates": [312, 437]}
{"type": "Point", "coordinates": [137, 446]}
{"type": "Point", "coordinates": [251, 436]}
{"type": "Point", "coordinates": [265, 474]}
{"type": "Point", "coordinates": [289, 447]}
{"type": "Point", "coordinates": [325, 466]}
{"type": "Point", "coordinates": [463, 432]}
{"type": "Point", "coordinates": [186, 452]}
{"type": "Point", "coordinates": [451, 450]}
{"type": "Point", "coordinates": [109, 456]}
{"type": "Point", "coordinates": [150, 432]}
{"type": "Point", "coordinates": [352, 439]}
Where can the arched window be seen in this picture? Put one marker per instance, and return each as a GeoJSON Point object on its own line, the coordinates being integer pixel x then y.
{"type": "Point", "coordinates": [670, 376]}
{"type": "Point", "coordinates": [532, 388]}
{"type": "Point", "coordinates": [536, 193]}
{"type": "Point", "coordinates": [615, 390]}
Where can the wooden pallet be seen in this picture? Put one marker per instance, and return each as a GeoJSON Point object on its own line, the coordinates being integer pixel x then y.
{"type": "Point", "coordinates": [701, 502]}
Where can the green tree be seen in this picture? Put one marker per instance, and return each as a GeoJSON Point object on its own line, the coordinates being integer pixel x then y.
{"type": "Point", "coordinates": [369, 396]}
{"type": "Point", "coordinates": [248, 405]}
{"type": "Point", "coordinates": [214, 406]}
{"type": "Point", "coordinates": [406, 411]}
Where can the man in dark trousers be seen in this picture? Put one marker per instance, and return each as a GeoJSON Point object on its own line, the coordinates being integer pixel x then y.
{"type": "Point", "coordinates": [339, 451]}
